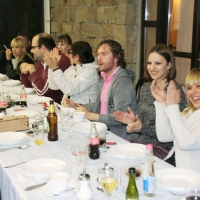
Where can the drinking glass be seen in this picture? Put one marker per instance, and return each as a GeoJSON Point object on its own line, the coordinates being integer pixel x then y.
{"type": "Point", "coordinates": [124, 178]}
{"type": "Point", "coordinates": [65, 117]}
{"type": "Point", "coordinates": [135, 162]}
{"type": "Point", "coordinates": [108, 181]}
{"type": "Point", "coordinates": [39, 130]}
{"type": "Point", "coordinates": [190, 193]}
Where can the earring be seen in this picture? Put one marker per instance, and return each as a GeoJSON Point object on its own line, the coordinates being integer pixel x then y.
{"type": "Point", "coordinates": [168, 71]}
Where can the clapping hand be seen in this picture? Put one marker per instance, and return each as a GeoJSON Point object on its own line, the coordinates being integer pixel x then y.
{"type": "Point", "coordinates": [124, 117]}
{"type": "Point", "coordinates": [158, 91]}
{"type": "Point", "coordinates": [52, 58]}
{"type": "Point", "coordinates": [173, 94]}
{"type": "Point", "coordinates": [135, 126]}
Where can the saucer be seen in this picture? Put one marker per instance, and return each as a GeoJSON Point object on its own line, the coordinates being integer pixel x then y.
{"type": "Point", "coordinates": [46, 191]}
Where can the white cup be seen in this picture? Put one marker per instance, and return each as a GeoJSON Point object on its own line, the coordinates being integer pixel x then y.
{"type": "Point", "coordinates": [78, 117]}
{"type": "Point", "coordinates": [58, 182]}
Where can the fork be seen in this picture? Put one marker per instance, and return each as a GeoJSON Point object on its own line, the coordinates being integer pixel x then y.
{"type": "Point", "coordinates": [14, 165]}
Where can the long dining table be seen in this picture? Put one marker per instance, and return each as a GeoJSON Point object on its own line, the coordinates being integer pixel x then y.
{"type": "Point", "coordinates": [13, 181]}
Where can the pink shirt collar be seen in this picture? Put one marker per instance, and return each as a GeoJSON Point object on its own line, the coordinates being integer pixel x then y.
{"type": "Point", "coordinates": [103, 74]}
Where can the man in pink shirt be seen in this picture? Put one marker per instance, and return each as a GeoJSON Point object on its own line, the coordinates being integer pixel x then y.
{"type": "Point", "coordinates": [116, 89]}
{"type": "Point", "coordinates": [36, 76]}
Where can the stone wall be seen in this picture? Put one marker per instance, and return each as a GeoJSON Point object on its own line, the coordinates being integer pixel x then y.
{"type": "Point", "coordinates": [95, 20]}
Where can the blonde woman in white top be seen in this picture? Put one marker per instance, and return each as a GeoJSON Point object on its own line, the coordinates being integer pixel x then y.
{"type": "Point", "coordinates": [182, 128]}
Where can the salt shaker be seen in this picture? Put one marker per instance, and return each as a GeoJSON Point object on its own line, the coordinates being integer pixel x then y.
{"type": "Point", "coordinates": [84, 191]}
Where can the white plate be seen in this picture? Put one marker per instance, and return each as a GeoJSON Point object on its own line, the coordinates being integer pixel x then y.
{"type": "Point", "coordinates": [34, 99]}
{"type": "Point", "coordinates": [12, 137]}
{"type": "Point", "coordinates": [175, 179]}
{"type": "Point", "coordinates": [11, 82]}
{"type": "Point", "coordinates": [3, 77]}
{"type": "Point", "coordinates": [29, 90]}
{"type": "Point", "coordinates": [46, 191]}
{"type": "Point", "coordinates": [85, 127]}
{"type": "Point", "coordinates": [129, 149]}
{"type": "Point", "coordinates": [28, 113]}
{"type": "Point", "coordinates": [43, 167]}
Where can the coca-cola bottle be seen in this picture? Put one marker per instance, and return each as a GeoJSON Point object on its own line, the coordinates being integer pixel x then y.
{"type": "Point", "coordinates": [3, 102]}
{"type": "Point", "coordinates": [22, 97]}
{"type": "Point", "coordinates": [94, 142]}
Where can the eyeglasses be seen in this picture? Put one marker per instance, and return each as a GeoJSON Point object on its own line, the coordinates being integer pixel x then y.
{"type": "Point", "coordinates": [33, 47]}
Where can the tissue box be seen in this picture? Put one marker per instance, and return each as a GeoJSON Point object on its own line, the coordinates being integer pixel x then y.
{"type": "Point", "coordinates": [14, 123]}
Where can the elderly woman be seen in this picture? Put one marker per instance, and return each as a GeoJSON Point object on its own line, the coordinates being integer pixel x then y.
{"type": "Point", "coordinates": [80, 81]}
{"type": "Point", "coordinates": [182, 128]}
{"type": "Point", "coordinates": [19, 52]}
{"type": "Point", "coordinates": [160, 67]}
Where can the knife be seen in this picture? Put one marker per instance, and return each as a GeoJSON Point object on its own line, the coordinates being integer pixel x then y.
{"type": "Point", "coordinates": [35, 186]}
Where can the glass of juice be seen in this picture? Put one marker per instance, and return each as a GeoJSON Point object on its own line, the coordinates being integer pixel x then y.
{"type": "Point", "coordinates": [39, 131]}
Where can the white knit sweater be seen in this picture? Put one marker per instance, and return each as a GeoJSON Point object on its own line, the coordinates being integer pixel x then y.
{"type": "Point", "coordinates": [183, 130]}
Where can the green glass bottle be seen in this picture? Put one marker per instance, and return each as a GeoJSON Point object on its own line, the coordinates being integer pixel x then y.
{"type": "Point", "coordinates": [132, 191]}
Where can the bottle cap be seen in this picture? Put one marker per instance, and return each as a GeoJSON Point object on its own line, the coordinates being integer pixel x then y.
{"type": "Point", "coordinates": [131, 170]}
{"type": "Point", "coordinates": [149, 146]}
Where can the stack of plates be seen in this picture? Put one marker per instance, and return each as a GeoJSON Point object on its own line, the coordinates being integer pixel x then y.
{"type": "Point", "coordinates": [176, 180]}
{"type": "Point", "coordinates": [129, 149]}
{"type": "Point", "coordinates": [43, 167]}
{"type": "Point", "coordinates": [85, 127]}
{"type": "Point", "coordinates": [12, 139]}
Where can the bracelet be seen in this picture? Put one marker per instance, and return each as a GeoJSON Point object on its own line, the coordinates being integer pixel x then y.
{"type": "Point", "coordinates": [56, 69]}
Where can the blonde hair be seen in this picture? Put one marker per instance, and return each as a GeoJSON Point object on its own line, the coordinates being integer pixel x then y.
{"type": "Point", "coordinates": [21, 43]}
{"type": "Point", "coordinates": [192, 78]}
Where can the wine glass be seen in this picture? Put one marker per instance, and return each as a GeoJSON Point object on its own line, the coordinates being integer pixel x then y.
{"type": "Point", "coordinates": [108, 180]}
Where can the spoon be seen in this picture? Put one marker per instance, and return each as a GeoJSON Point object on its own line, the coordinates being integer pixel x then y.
{"type": "Point", "coordinates": [20, 147]}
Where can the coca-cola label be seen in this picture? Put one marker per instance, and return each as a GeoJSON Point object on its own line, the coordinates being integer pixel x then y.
{"type": "Point", "coordinates": [22, 96]}
{"type": "Point", "coordinates": [3, 104]}
{"type": "Point", "coordinates": [94, 141]}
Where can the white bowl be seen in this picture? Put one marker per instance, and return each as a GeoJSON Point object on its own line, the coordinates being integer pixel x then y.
{"type": "Point", "coordinates": [29, 90]}
{"type": "Point", "coordinates": [71, 110]}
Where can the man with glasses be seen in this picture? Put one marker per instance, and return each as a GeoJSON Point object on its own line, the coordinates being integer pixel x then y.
{"type": "Point", "coordinates": [36, 76]}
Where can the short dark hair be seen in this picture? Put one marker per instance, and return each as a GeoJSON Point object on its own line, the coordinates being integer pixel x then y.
{"type": "Point", "coordinates": [116, 50]}
{"type": "Point", "coordinates": [66, 38]}
{"type": "Point", "coordinates": [48, 42]}
{"type": "Point", "coordinates": [167, 53]}
{"type": "Point", "coordinates": [84, 50]}
{"type": "Point", "coordinates": [26, 34]}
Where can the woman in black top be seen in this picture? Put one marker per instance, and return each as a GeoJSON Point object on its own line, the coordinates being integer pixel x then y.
{"type": "Point", "coordinates": [19, 52]}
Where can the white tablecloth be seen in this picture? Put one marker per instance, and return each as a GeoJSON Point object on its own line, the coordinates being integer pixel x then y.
{"type": "Point", "coordinates": [13, 183]}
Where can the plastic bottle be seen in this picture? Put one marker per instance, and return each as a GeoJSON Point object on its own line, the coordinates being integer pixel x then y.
{"type": "Point", "coordinates": [52, 120]}
{"type": "Point", "coordinates": [132, 191]}
{"type": "Point", "coordinates": [149, 180]}
{"type": "Point", "coordinates": [94, 142]}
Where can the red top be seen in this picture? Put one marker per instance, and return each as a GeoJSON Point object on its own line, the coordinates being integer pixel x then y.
{"type": "Point", "coordinates": [39, 79]}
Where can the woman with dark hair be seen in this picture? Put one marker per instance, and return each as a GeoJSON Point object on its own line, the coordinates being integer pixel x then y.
{"type": "Point", "coordinates": [19, 52]}
{"type": "Point", "coordinates": [64, 43]}
{"type": "Point", "coordinates": [160, 67]}
{"type": "Point", "coordinates": [80, 81]}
